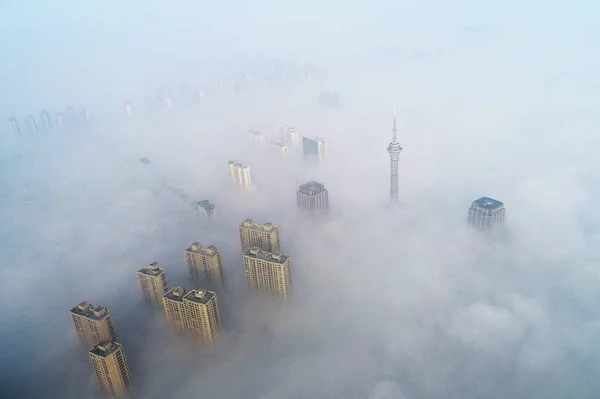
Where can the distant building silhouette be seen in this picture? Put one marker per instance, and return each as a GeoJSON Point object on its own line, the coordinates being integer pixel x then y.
{"type": "Point", "coordinates": [31, 124]}
{"type": "Point", "coordinates": [14, 125]}
{"type": "Point", "coordinates": [46, 120]}
{"type": "Point", "coordinates": [486, 214]}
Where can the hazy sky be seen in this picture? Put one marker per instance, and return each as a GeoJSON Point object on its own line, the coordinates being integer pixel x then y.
{"type": "Point", "coordinates": [497, 100]}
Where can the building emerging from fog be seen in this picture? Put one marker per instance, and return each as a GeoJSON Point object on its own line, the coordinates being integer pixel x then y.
{"type": "Point", "coordinates": [486, 213]}
{"type": "Point", "coordinates": [71, 114]}
{"type": "Point", "coordinates": [110, 366]}
{"type": "Point", "coordinates": [313, 196]}
{"type": "Point", "coordinates": [289, 135]}
{"type": "Point", "coordinates": [93, 325]}
{"type": "Point", "coordinates": [329, 99]}
{"type": "Point", "coordinates": [204, 262]}
{"type": "Point", "coordinates": [239, 174]}
{"type": "Point", "coordinates": [60, 120]}
{"type": "Point", "coordinates": [314, 148]}
{"type": "Point", "coordinates": [46, 120]}
{"type": "Point", "coordinates": [31, 124]}
{"type": "Point", "coordinates": [127, 107]}
{"type": "Point", "coordinates": [153, 282]}
{"type": "Point", "coordinates": [264, 236]}
{"type": "Point", "coordinates": [14, 125]}
{"type": "Point", "coordinates": [267, 272]}
{"type": "Point", "coordinates": [256, 136]}
{"type": "Point", "coordinates": [195, 312]}
{"type": "Point", "coordinates": [207, 210]}
{"type": "Point", "coordinates": [281, 147]}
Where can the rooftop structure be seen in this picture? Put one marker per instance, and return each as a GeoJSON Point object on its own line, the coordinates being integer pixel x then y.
{"type": "Point", "coordinates": [92, 325]}
{"type": "Point", "coordinates": [275, 257]}
{"type": "Point", "coordinates": [486, 213]}
{"type": "Point", "coordinates": [199, 296]}
{"type": "Point", "coordinates": [265, 236]}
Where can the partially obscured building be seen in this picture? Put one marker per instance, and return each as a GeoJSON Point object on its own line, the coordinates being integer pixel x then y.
{"type": "Point", "coordinates": [153, 282]}
{"type": "Point", "coordinates": [314, 148]}
{"type": "Point", "coordinates": [264, 236]}
{"type": "Point", "coordinates": [93, 325]}
{"type": "Point", "coordinates": [281, 147]}
{"type": "Point", "coordinates": [239, 174]}
{"type": "Point", "coordinates": [204, 262]}
{"type": "Point", "coordinates": [256, 136]}
{"type": "Point", "coordinates": [110, 366]}
{"type": "Point", "coordinates": [268, 272]}
{"type": "Point", "coordinates": [173, 304]}
{"type": "Point", "coordinates": [312, 196]}
{"type": "Point", "coordinates": [329, 99]}
{"type": "Point", "coordinates": [289, 135]}
{"type": "Point", "coordinates": [207, 210]}
{"type": "Point", "coordinates": [486, 213]}
{"type": "Point", "coordinates": [202, 314]}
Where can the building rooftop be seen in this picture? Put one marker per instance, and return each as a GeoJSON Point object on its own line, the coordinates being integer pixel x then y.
{"type": "Point", "coordinates": [175, 294]}
{"type": "Point", "coordinates": [206, 205]}
{"type": "Point", "coordinates": [316, 138]}
{"type": "Point", "coordinates": [105, 348]}
{"type": "Point", "coordinates": [197, 248]}
{"type": "Point", "coordinates": [278, 143]}
{"type": "Point", "coordinates": [312, 188]}
{"type": "Point", "coordinates": [276, 257]}
{"type": "Point", "coordinates": [87, 310]}
{"type": "Point", "coordinates": [237, 164]}
{"type": "Point", "coordinates": [487, 203]}
{"type": "Point", "coordinates": [199, 296]}
{"type": "Point", "coordinates": [153, 269]}
{"type": "Point", "coordinates": [249, 224]}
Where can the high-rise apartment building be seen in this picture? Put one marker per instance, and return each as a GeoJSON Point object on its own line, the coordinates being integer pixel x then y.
{"type": "Point", "coordinates": [314, 148]}
{"type": "Point", "coordinates": [173, 304]}
{"type": "Point", "coordinates": [268, 272]}
{"type": "Point", "coordinates": [486, 213]}
{"type": "Point", "coordinates": [153, 282]}
{"type": "Point", "coordinates": [204, 262]}
{"type": "Point", "coordinates": [93, 325]}
{"type": "Point", "coordinates": [31, 124]}
{"type": "Point", "coordinates": [239, 174]}
{"type": "Point", "coordinates": [281, 147]}
{"type": "Point", "coordinates": [313, 196]}
{"type": "Point", "coordinates": [264, 236]}
{"type": "Point", "coordinates": [289, 135]}
{"type": "Point", "coordinates": [256, 136]}
{"type": "Point", "coordinates": [202, 318]}
{"type": "Point", "coordinates": [110, 366]}
{"type": "Point", "coordinates": [207, 210]}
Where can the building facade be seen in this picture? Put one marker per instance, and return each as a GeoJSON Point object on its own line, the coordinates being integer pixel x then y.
{"type": "Point", "coordinates": [202, 318]}
{"type": "Point", "coordinates": [486, 214]}
{"type": "Point", "coordinates": [269, 273]}
{"type": "Point", "coordinates": [153, 282]}
{"type": "Point", "coordinates": [314, 148]}
{"type": "Point", "coordinates": [313, 197]}
{"type": "Point", "coordinates": [173, 304]}
{"type": "Point", "coordinates": [110, 366]}
{"type": "Point", "coordinates": [207, 210]}
{"type": "Point", "coordinates": [204, 263]}
{"type": "Point", "coordinates": [239, 174]}
{"type": "Point", "coordinates": [289, 135]}
{"type": "Point", "coordinates": [93, 325]}
{"type": "Point", "coordinates": [264, 236]}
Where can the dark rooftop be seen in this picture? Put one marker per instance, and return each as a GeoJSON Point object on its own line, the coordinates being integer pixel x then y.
{"type": "Point", "coordinates": [153, 269]}
{"type": "Point", "coordinates": [312, 188]}
{"type": "Point", "coordinates": [87, 310]}
{"type": "Point", "coordinates": [206, 205]}
{"type": "Point", "coordinates": [197, 248]}
{"type": "Point", "coordinates": [199, 296]}
{"type": "Point", "coordinates": [487, 203]}
{"type": "Point", "coordinates": [277, 257]}
{"type": "Point", "coordinates": [176, 294]}
{"type": "Point", "coordinates": [105, 348]}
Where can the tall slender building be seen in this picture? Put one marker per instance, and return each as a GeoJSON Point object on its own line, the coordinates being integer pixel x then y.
{"type": "Point", "coordinates": [31, 124]}
{"type": "Point", "coordinates": [486, 214]}
{"type": "Point", "coordinates": [313, 196]}
{"type": "Point", "coordinates": [71, 114]}
{"type": "Point", "coordinates": [264, 236]}
{"type": "Point", "coordinates": [173, 304]}
{"type": "Point", "coordinates": [239, 174]}
{"type": "Point", "coordinates": [207, 210]}
{"type": "Point", "coordinates": [202, 315]}
{"type": "Point", "coordinates": [46, 120]}
{"type": "Point", "coordinates": [93, 325]}
{"type": "Point", "coordinates": [281, 147]}
{"type": "Point", "coordinates": [394, 149]}
{"type": "Point", "coordinates": [314, 148]}
{"type": "Point", "coordinates": [256, 136]}
{"type": "Point", "coordinates": [60, 119]}
{"type": "Point", "coordinates": [289, 135]}
{"type": "Point", "coordinates": [110, 366]}
{"type": "Point", "coordinates": [204, 262]}
{"type": "Point", "coordinates": [83, 115]}
{"type": "Point", "coordinates": [153, 282]}
{"type": "Point", "coordinates": [268, 272]}
{"type": "Point", "coordinates": [14, 125]}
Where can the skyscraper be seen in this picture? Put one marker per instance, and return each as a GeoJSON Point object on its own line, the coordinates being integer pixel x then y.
{"type": "Point", "coordinates": [289, 135]}
{"type": "Point", "coordinates": [93, 325]}
{"type": "Point", "coordinates": [239, 174]}
{"type": "Point", "coordinates": [486, 213]}
{"type": "Point", "coordinates": [394, 149]}
{"type": "Point", "coordinates": [313, 196]}
{"type": "Point", "coordinates": [204, 262]}
{"type": "Point", "coordinates": [71, 114]}
{"type": "Point", "coordinates": [264, 236]}
{"type": "Point", "coordinates": [153, 282]}
{"type": "Point", "coordinates": [268, 272]}
{"type": "Point", "coordinates": [14, 125]}
{"type": "Point", "coordinates": [46, 120]}
{"type": "Point", "coordinates": [202, 314]}
{"type": "Point", "coordinates": [281, 147]}
{"type": "Point", "coordinates": [173, 304]}
{"type": "Point", "coordinates": [256, 136]}
{"type": "Point", "coordinates": [110, 366]}
{"type": "Point", "coordinates": [314, 148]}
{"type": "Point", "coordinates": [127, 107]}
{"type": "Point", "coordinates": [207, 210]}
{"type": "Point", "coordinates": [31, 124]}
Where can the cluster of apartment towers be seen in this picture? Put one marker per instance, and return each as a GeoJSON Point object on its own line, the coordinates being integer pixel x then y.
{"type": "Point", "coordinates": [195, 313]}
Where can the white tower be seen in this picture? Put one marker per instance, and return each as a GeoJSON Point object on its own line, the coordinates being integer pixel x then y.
{"type": "Point", "coordinates": [394, 150]}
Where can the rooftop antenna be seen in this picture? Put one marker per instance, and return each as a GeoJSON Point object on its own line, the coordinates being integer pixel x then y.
{"type": "Point", "coordinates": [394, 131]}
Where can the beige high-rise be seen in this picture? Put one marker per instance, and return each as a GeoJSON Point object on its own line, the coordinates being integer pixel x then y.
{"type": "Point", "coordinates": [204, 262]}
{"type": "Point", "coordinates": [239, 174]}
{"type": "Point", "coordinates": [264, 236]}
{"type": "Point", "coordinates": [153, 282]}
{"type": "Point", "coordinates": [93, 325]}
{"type": "Point", "coordinates": [110, 365]}
{"type": "Point", "coordinates": [202, 318]}
{"type": "Point", "coordinates": [268, 272]}
{"type": "Point", "coordinates": [173, 303]}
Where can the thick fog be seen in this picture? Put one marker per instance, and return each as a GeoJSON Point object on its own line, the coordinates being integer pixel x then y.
{"type": "Point", "coordinates": [388, 302]}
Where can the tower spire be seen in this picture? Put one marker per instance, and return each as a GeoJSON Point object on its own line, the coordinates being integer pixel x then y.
{"type": "Point", "coordinates": [394, 130]}
{"type": "Point", "coordinates": [394, 149]}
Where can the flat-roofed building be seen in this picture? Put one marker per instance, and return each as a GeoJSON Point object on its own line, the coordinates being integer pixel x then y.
{"type": "Point", "coordinates": [486, 214]}
{"type": "Point", "coordinates": [204, 262]}
{"type": "Point", "coordinates": [264, 236]}
{"type": "Point", "coordinates": [153, 282]}
{"type": "Point", "coordinates": [93, 325]}
{"type": "Point", "coordinates": [174, 310]}
{"type": "Point", "coordinates": [239, 174]}
{"type": "Point", "coordinates": [110, 366]}
{"type": "Point", "coordinates": [268, 272]}
{"type": "Point", "coordinates": [313, 196]}
{"type": "Point", "coordinates": [314, 148]}
{"type": "Point", "coordinates": [202, 314]}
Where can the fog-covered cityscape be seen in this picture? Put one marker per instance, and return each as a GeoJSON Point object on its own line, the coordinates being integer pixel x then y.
{"type": "Point", "coordinates": [305, 201]}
